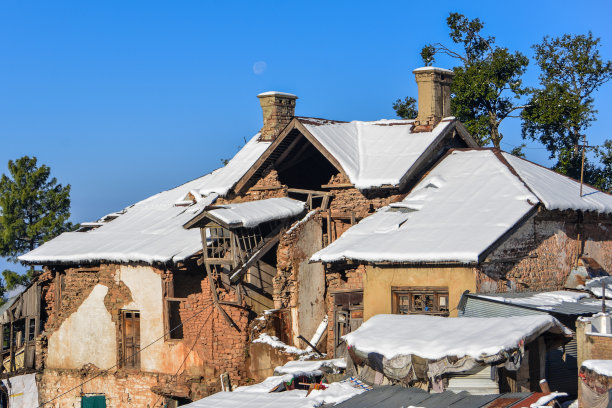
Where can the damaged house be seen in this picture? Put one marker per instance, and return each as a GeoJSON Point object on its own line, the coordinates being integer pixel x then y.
{"type": "Point", "coordinates": [153, 303]}
{"type": "Point", "coordinates": [319, 220]}
{"type": "Point", "coordinates": [481, 221]}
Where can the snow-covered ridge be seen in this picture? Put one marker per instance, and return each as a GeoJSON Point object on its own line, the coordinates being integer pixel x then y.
{"type": "Point", "coordinates": [150, 230]}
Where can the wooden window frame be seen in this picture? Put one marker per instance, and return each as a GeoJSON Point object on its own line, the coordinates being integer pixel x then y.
{"type": "Point", "coordinates": [438, 292]}
{"type": "Point", "coordinates": [130, 360]}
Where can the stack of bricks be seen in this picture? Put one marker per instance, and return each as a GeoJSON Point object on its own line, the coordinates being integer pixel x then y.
{"type": "Point", "coordinates": [221, 346]}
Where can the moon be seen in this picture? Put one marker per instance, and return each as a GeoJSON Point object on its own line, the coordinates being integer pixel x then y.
{"type": "Point", "coordinates": [259, 67]}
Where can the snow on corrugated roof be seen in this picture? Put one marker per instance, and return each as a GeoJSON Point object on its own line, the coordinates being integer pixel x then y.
{"type": "Point", "coordinates": [253, 213]}
{"type": "Point", "coordinates": [152, 229]}
{"type": "Point", "coordinates": [374, 154]}
{"type": "Point", "coordinates": [476, 337]}
{"type": "Point", "coordinates": [468, 201]}
{"type": "Point", "coordinates": [557, 192]}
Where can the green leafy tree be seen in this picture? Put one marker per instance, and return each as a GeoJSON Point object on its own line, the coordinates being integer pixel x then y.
{"type": "Point", "coordinates": [33, 209]}
{"type": "Point", "coordinates": [487, 86]}
{"type": "Point", "coordinates": [603, 178]}
{"type": "Point", "coordinates": [562, 108]}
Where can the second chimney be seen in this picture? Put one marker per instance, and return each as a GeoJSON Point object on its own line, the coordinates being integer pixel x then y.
{"type": "Point", "coordinates": [434, 94]}
{"type": "Point", "coordinates": [278, 110]}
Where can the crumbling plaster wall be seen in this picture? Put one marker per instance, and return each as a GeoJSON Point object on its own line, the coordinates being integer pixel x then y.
{"type": "Point", "coordinates": [300, 285]}
{"type": "Point", "coordinates": [84, 330]}
{"type": "Point", "coordinates": [71, 345]}
{"type": "Point", "coordinates": [540, 254]}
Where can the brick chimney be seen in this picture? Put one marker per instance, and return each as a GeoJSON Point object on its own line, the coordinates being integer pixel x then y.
{"type": "Point", "coordinates": [434, 94]}
{"type": "Point", "coordinates": [278, 110]}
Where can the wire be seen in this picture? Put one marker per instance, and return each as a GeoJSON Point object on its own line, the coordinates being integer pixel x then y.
{"type": "Point", "coordinates": [124, 359]}
{"type": "Point", "coordinates": [173, 378]}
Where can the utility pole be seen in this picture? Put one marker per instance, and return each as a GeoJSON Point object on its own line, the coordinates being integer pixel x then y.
{"type": "Point", "coordinates": [584, 146]}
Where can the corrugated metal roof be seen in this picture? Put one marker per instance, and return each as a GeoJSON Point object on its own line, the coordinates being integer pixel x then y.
{"type": "Point", "coordinates": [586, 306]}
{"type": "Point", "coordinates": [391, 396]}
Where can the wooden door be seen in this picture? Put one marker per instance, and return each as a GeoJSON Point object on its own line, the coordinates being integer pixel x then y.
{"type": "Point", "coordinates": [131, 338]}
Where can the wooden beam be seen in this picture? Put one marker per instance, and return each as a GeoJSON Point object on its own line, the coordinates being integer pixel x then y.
{"type": "Point", "coordinates": [175, 299]}
{"type": "Point", "coordinates": [319, 147]}
{"type": "Point", "coordinates": [240, 185]}
{"type": "Point", "coordinates": [314, 192]}
{"type": "Point", "coordinates": [237, 275]}
{"type": "Point", "coordinates": [340, 185]}
{"type": "Point", "coordinates": [284, 155]}
{"type": "Point", "coordinates": [213, 290]}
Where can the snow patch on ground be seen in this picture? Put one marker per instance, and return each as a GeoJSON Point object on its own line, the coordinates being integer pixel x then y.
{"type": "Point", "coordinates": [273, 341]}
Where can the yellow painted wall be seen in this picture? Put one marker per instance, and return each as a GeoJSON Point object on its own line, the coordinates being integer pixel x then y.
{"type": "Point", "coordinates": [379, 280]}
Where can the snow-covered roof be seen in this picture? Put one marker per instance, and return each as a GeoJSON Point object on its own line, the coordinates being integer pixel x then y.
{"type": "Point", "coordinates": [253, 213]}
{"type": "Point", "coordinates": [459, 210]}
{"type": "Point", "coordinates": [595, 286]}
{"type": "Point", "coordinates": [560, 302]}
{"type": "Point", "coordinates": [603, 367]}
{"type": "Point", "coordinates": [439, 337]}
{"type": "Point", "coordinates": [378, 153]}
{"type": "Point", "coordinates": [466, 203]}
{"type": "Point", "coordinates": [558, 192]}
{"type": "Point", "coordinates": [152, 229]}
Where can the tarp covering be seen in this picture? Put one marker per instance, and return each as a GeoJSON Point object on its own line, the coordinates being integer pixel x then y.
{"type": "Point", "coordinates": [22, 391]}
{"type": "Point", "coordinates": [417, 347]}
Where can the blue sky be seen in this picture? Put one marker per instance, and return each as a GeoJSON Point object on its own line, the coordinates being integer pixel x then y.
{"type": "Point", "coordinates": [125, 99]}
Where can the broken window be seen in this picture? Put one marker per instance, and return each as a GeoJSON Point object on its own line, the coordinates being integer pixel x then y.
{"type": "Point", "coordinates": [175, 326]}
{"type": "Point", "coordinates": [219, 244]}
{"type": "Point", "coordinates": [348, 316]}
{"type": "Point", "coordinates": [18, 333]}
{"type": "Point", "coordinates": [6, 336]}
{"type": "Point", "coordinates": [420, 300]}
{"type": "Point", "coordinates": [130, 338]}
{"type": "Point", "coordinates": [176, 289]}
{"type": "Point", "coordinates": [31, 329]}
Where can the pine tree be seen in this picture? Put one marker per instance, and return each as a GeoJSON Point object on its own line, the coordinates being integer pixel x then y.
{"type": "Point", "coordinates": [34, 208]}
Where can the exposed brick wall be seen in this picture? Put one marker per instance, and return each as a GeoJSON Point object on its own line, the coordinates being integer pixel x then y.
{"type": "Point", "coordinates": [121, 390]}
{"type": "Point", "coordinates": [600, 347]}
{"type": "Point", "coordinates": [541, 253]}
{"type": "Point", "coordinates": [220, 346]}
{"type": "Point", "coordinates": [76, 287]}
{"type": "Point", "coordinates": [268, 186]}
{"type": "Point", "coordinates": [339, 278]}
{"type": "Point", "coordinates": [288, 258]}
{"type": "Point", "coordinates": [362, 203]}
